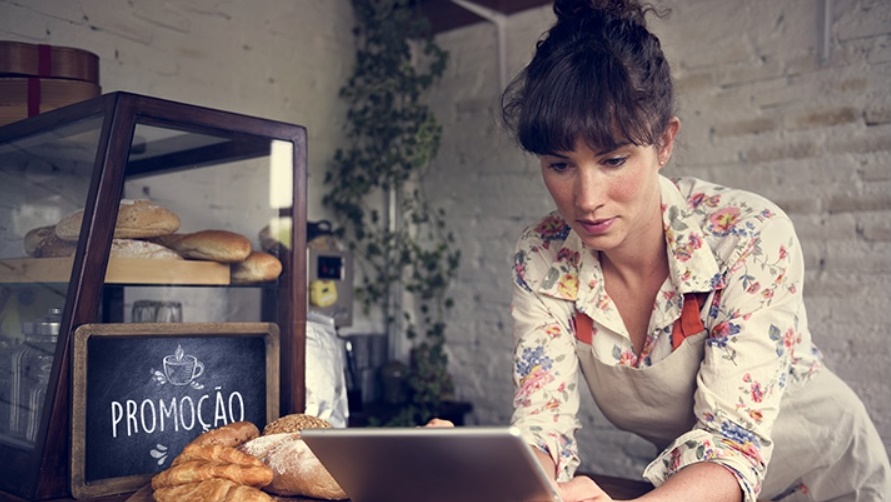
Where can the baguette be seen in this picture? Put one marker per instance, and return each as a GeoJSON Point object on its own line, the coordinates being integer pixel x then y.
{"type": "Point", "coordinates": [296, 470]}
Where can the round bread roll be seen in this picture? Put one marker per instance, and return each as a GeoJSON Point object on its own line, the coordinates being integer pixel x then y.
{"type": "Point", "coordinates": [216, 245]}
{"type": "Point", "coordinates": [132, 248]}
{"type": "Point", "coordinates": [42, 242]}
{"type": "Point", "coordinates": [295, 422]}
{"type": "Point", "coordinates": [295, 469]}
{"type": "Point", "coordinates": [137, 219]}
{"type": "Point", "coordinates": [258, 267]}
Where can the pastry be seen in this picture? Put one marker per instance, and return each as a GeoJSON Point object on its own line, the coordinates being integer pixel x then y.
{"type": "Point", "coordinates": [211, 490]}
{"type": "Point", "coordinates": [216, 453]}
{"type": "Point", "coordinates": [191, 471]}
{"type": "Point", "coordinates": [258, 267]}
{"type": "Point", "coordinates": [137, 219]}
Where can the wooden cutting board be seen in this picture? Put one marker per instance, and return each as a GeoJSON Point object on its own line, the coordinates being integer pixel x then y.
{"type": "Point", "coordinates": [120, 271]}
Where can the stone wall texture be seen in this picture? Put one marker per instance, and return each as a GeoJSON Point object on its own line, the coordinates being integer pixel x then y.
{"type": "Point", "coordinates": [763, 106]}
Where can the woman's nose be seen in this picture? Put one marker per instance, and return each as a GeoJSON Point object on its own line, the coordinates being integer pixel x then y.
{"type": "Point", "coordinates": [588, 190]}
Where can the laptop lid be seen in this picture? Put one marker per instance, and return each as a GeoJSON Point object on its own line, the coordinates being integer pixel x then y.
{"type": "Point", "coordinates": [427, 464]}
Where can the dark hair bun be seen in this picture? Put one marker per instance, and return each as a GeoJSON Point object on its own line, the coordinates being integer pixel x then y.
{"type": "Point", "coordinates": [628, 10]}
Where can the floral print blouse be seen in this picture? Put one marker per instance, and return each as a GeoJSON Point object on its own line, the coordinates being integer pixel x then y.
{"type": "Point", "coordinates": [735, 246]}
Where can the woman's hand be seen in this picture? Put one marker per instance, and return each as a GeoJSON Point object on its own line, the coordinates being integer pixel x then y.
{"type": "Point", "coordinates": [439, 422]}
{"type": "Point", "coordinates": [582, 489]}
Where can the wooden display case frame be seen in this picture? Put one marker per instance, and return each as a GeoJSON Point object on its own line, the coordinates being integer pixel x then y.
{"type": "Point", "coordinates": [44, 473]}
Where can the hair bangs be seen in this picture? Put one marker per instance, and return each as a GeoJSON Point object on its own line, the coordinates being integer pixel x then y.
{"type": "Point", "coordinates": [585, 98]}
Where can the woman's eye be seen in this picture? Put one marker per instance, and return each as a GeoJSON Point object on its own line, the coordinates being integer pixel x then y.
{"type": "Point", "coordinates": [614, 161]}
{"type": "Point", "coordinates": [558, 166]}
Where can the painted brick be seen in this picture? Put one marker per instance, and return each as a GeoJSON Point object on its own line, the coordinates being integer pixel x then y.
{"type": "Point", "coordinates": [748, 126]}
{"type": "Point", "coordinates": [782, 150]}
{"type": "Point", "coordinates": [878, 112]}
{"type": "Point", "coordinates": [824, 118]}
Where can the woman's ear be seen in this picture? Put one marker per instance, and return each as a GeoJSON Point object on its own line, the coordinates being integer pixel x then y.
{"type": "Point", "coordinates": [666, 141]}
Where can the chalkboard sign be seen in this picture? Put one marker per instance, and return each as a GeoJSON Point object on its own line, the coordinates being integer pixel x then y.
{"type": "Point", "coordinates": [141, 392]}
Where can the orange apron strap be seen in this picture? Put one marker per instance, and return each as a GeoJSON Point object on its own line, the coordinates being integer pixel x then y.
{"type": "Point", "coordinates": [689, 323]}
{"type": "Point", "coordinates": [584, 328]}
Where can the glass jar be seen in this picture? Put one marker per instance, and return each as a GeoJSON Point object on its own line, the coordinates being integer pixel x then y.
{"type": "Point", "coordinates": [32, 363]}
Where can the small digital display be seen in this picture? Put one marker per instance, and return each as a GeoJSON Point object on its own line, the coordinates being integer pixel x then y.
{"type": "Point", "coordinates": [330, 267]}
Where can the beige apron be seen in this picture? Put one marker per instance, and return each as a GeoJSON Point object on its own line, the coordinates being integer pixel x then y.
{"type": "Point", "coordinates": [823, 437]}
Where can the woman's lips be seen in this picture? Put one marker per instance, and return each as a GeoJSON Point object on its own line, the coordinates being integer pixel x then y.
{"type": "Point", "coordinates": [596, 227]}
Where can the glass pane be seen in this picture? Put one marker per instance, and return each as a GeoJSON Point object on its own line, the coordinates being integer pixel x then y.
{"type": "Point", "coordinates": [223, 191]}
{"type": "Point", "coordinates": [43, 179]}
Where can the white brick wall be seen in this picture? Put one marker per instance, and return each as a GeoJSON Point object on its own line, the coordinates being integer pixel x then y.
{"type": "Point", "coordinates": [758, 112]}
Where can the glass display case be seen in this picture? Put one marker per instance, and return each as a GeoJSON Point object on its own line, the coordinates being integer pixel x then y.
{"type": "Point", "coordinates": [70, 182]}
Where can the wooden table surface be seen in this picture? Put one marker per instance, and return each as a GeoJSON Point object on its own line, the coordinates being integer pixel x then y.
{"type": "Point", "coordinates": [617, 488]}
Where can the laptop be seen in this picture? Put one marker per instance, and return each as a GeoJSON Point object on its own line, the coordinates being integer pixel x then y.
{"type": "Point", "coordinates": [432, 464]}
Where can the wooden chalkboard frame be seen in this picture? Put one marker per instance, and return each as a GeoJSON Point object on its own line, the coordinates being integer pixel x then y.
{"type": "Point", "coordinates": [82, 488]}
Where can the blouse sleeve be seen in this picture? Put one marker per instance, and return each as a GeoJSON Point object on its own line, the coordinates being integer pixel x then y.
{"type": "Point", "coordinates": [754, 331]}
{"type": "Point", "coordinates": [545, 367]}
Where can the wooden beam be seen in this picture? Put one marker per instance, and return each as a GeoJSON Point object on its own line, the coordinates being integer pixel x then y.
{"type": "Point", "coordinates": [444, 15]}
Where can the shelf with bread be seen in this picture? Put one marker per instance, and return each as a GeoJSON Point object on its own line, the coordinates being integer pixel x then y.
{"type": "Point", "coordinates": [145, 249]}
{"type": "Point", "coordinates": [123, 198]}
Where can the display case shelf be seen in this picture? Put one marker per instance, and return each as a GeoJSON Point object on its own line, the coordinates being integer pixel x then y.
{"type": "Point", "coordinates": [215, 169]}
{"type": "Point", "coordinates": [120, 271]}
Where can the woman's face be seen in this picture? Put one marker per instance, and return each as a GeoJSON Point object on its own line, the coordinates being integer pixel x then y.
{"type": "Point", "coordinates": [610, 198]}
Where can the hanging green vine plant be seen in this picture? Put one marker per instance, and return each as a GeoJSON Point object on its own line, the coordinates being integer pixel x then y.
{"type": "Point", "coordinates": [392, 137]}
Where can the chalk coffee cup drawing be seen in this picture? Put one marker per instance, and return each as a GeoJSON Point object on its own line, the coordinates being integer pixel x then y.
{"type": "Point", "coordinates": [182, 369]}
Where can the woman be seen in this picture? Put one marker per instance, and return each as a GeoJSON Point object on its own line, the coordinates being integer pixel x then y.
{"type": "Point", "coordinates": [679, 302]}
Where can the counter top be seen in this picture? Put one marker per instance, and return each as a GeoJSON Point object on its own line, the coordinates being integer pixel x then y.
{"type": "Point", "coordinates": [617, 488]}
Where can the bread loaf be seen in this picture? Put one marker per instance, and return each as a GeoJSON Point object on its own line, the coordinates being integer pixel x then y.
{"type": "Point", "coordinates": [233, 435]}
{"type": "Point", "coordinates": [42, 242]}
{"type": "Point", "coordinates": [295, 422]}
{"type": "Point", "coordinates": [137, 219]}
{"type": "Point", "coordinates": [295, 469]}
{"type": "Point", "coordinates": [258, 267]}
{"type": "Point", "coordinates": [211, 490]}
{"type": "Point", "coordinates": [216, 245]}
{"type": "Point", "coordinates": [133, 248]}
